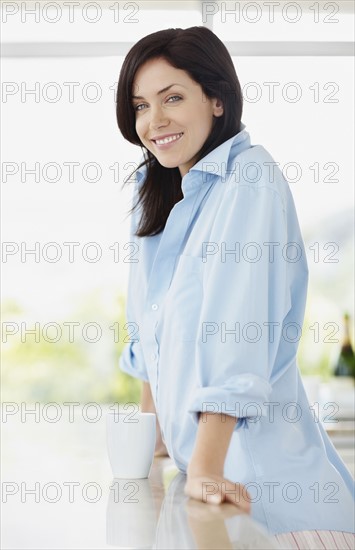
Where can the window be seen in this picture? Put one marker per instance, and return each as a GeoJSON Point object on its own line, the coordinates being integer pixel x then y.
{"type": "Point", "coordinates": [64, 161]}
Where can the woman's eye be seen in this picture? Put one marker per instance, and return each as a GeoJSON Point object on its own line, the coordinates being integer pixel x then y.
{"type": "Point", "coordinates": [171, 99]}
{"type": "Point", "coordinates": [174, 97]}
{"type": "Point", "coordinates": [138, 107]}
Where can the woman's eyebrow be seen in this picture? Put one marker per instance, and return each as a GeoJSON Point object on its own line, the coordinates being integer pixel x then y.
{"type": "Point", "coordinates": [160, 91]}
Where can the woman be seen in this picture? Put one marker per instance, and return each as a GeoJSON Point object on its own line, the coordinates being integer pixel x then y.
{"type": "Point", "coordinates": [218, 292]}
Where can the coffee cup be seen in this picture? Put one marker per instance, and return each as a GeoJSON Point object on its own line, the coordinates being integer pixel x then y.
{"type": "Point", "coordinates": [131, 443]}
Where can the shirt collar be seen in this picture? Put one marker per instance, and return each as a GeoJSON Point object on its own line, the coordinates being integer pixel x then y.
{"type": "Point", "coordinates": [216, 161]}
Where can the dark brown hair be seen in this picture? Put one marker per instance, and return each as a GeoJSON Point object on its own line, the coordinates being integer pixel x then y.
{"type": "Point", "coordinates": [200, 53]}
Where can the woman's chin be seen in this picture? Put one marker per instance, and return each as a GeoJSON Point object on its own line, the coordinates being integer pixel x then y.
{"type": "Point", "coordinates": [167, 163]}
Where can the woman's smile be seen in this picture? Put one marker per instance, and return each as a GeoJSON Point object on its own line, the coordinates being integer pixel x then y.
{"type": "Point", "coordinates": [167, 141]}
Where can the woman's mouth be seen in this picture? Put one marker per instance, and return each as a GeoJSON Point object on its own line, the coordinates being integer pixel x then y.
{"type": "Point", "coordinates": [167, 142]}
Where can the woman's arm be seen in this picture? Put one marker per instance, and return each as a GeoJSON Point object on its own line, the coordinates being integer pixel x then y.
{"type": "Point", "coordinates": [212, 441]}
{"type": "Point", "coordinates": [147, 405]}
{"type": "Point", "coordinates": [205, 479]}
{"type": "Point", "coordinates": [233, 372]}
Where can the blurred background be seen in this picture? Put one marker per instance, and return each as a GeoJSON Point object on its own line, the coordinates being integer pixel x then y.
{"type": "Point", "coordinates": [65, 223]}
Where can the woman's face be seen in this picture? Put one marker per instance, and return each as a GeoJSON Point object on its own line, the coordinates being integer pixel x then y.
{"type": "Point", "coordinates": [173, 116]}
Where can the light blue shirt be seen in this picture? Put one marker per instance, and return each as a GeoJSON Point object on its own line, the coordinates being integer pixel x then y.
{"type": "Point", "coordinates": [218, 299]}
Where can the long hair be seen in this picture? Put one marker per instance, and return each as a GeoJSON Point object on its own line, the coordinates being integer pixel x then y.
{"type": "Point", "coordinates": [200, 53]}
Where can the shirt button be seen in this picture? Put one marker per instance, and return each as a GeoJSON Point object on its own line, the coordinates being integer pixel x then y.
{"type": "Point", "coordinates": [155, 307]}
{"type": "Point", "coordinates": [153, 356]}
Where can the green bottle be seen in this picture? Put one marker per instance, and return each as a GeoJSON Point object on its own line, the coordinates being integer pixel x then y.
{"type": "Point", "coordinates": [345, 365]}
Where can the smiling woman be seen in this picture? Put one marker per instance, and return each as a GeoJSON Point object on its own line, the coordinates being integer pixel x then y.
{"type": "Point", "coordinates": [194, 106]}
{"type": "Point", "coordinates": [218, 331]}
{"type": "Point", "coordinates": [173, 127]}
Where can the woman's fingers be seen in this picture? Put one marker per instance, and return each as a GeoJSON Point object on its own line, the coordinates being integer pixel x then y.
{"type": "Point", "coordinates": [235, 493]}
{"type": "Point", "coordinates": [215, 490]}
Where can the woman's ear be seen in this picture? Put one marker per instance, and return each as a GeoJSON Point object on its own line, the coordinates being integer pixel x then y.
{"type": "Point", "coordinates": [218, 109]}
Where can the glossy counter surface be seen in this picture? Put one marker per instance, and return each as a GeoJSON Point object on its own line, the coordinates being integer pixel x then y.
{"type": "Point", "coordinates": [58, 493]}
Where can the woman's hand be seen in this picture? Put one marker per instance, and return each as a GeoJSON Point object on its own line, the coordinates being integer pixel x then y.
{"type": "Point", "coordinates": [205, 481]}
{"type": "Point", "coordinates": [147, 405]}
{"type": "Point", "coordinates": [215, 489]}
{"type": "Point", "coordinates": [160, 449]}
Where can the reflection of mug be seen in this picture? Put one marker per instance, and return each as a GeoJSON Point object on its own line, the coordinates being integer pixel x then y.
{"type": "Point", "coordinates": [131, 443]}
{"type": "Point", "coordinates": [131, 516]}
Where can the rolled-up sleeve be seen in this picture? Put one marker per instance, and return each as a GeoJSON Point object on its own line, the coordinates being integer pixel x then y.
{"type": "Point", "coordinates": [246, 298]}
{"type": "Point", "coordinates": [131, 361]}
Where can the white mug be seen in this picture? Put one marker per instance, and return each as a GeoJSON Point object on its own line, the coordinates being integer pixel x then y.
{"type": "Point", "coordinates": [131, 443]}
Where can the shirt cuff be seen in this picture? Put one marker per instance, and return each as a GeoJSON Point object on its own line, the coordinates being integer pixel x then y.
{"type": "Point", "coordinates": [129, 364]}
{"type": "Point", "coordinates": [244, 396]}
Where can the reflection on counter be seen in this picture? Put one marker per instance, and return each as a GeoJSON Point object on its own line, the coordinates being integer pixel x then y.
{"type": "Point", "coordinates": [141, 515]}
{"type": "Point", "coordinates": [64, 454]}
{"type": "Point", "coordinates": [131, 504]}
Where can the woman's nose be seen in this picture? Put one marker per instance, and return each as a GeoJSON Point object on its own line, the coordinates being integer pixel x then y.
{"type": "Point", "coordinates": [157, 117]}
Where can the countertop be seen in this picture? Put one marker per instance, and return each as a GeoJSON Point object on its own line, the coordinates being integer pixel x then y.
{"type": "Point", "coordinates": [58, 492]}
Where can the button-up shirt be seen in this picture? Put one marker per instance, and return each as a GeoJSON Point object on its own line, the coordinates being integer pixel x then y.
{"type": "Point", "coordinates": [218, 299]}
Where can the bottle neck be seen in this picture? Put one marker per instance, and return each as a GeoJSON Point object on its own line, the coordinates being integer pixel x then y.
{"type": "Point", "coordinates": [346, 338]}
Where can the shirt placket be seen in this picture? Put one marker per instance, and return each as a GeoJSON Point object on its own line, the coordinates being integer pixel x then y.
{"type": "Point", "coordinates": [170, 246]}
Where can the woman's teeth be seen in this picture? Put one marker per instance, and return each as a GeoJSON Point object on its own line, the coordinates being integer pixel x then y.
{"type": "Point", "coordinates": [168, 139]}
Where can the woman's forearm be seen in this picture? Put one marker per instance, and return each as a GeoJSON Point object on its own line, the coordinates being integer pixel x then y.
{"type": "Point", "coordinates": [147, 405]}
{"type": "Point", "coordinates": [147, 402]}
{"type": "Point", "coordinates": [205, 473]}
{"type": "Point", "coordinates": [213, 438]}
